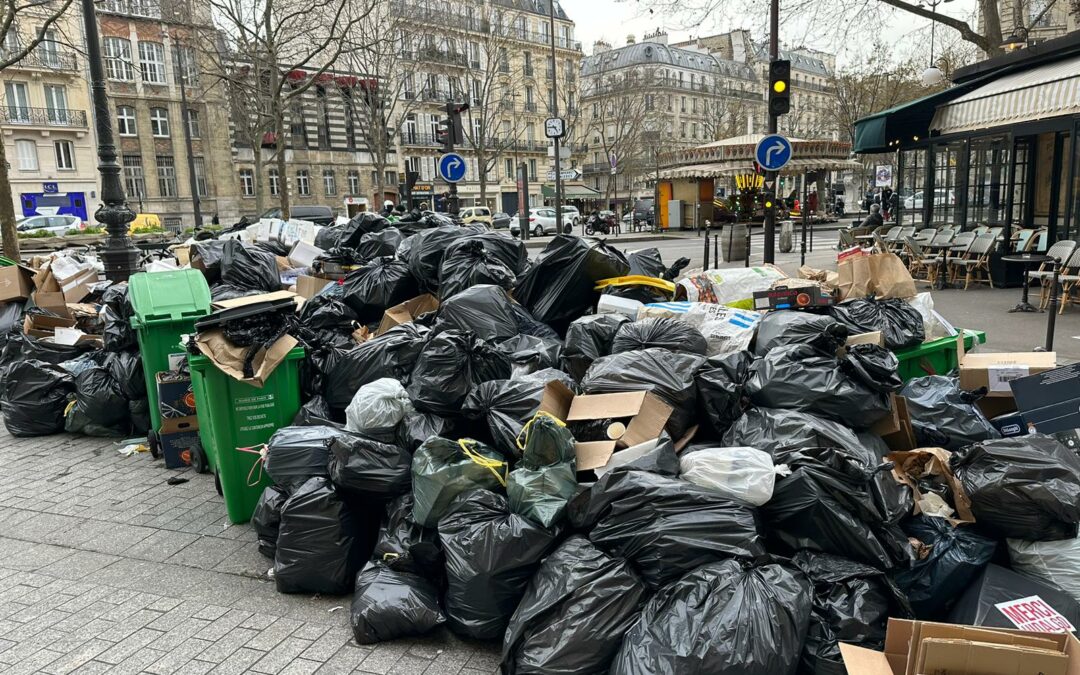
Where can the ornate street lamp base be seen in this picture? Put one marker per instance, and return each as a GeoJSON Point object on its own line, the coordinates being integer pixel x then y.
{"type": "Point", "coordinates": [119, 255]}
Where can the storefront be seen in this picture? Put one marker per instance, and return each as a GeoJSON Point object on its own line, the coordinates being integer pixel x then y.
{"type": "Point", "coordinates": [997, 148]}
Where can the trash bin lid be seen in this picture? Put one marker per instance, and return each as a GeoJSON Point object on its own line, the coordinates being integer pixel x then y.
{"type": "Point", "coordinates": [168, 296]}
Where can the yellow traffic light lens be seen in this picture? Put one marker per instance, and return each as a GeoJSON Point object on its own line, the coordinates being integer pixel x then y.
{"type": "Point", "coordinates": [779, 86]}
{"type": "Point", "coordinates": [768, 205]}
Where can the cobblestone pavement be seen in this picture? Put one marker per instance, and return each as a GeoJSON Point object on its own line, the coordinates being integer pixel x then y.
{"type": "Point", "coordinates": [105, 568]}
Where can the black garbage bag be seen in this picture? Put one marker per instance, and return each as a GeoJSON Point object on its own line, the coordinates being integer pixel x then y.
{"type": "Point", "coordinates": [664, 526]}
{"type": "Point", "coordinates": [392, 354]}
{"type": "Point", "coordinates": [329, 237]}
{"type": "Point", "coordinates": [529, 354]}
{"type": "Point", "coordinates": [588, 339]}
{"type": "Point", "coordinates": [266, 520]}
{"type": "Point", "coordinates": [720, 386]}
{"type": "Point", "coordinates": [352, 233]}
{"type": "Point", "coordinates": [942, 412]}
{"type": "Point", "coordinates": [491, 554]}
{"type": "Point", "coordinates": [229, 292]}
{"type": "Point", "coordinates": [546, 477]}
{"type": "Point", "coordinates": [139, 412]}
{"type": "Point", "coordinates": [506, 405]}
{"type": "Point", "coordinates": [34, 396]}
{"type": "Point", "coordinates": [900, 324]}
{"type": "Point", "coordinates": [807, 378]}
{"type": "Point", "coordinates": [574, 614]}
{"type": "Point", "coordinates": [379, 244]}
{"type": "Point", "coordinates": [646, 263]}
{"type": "Point", "coordinates": [664, 333]}
{"type": "Point", "coordinates": [11, 315]}
{"type": "Point", "coordinates": [206, 256]}
{"type": "Point", "coordinates": [484, 310]}
{"type": "Point", "coordinates": [317, 413]}
{"type": "Point", "coordinates": [377, 286]}
{"type": "Point", "coordinates": [467, 263]}
{"type": "Point", "coordinates": [947, 560]}
{"type": "Point", "coordinates": [508, 250]}
{"type": "Point", "coordinates": [448, 368]}
{"type": "Point", "coordinates": [416, 427]}
{"type": "Point", "coordinates": [28, 348]}
{"type": "Point", "coordinates": [1026, 487]}
{"type": "Point", "coordinates": [249, 269]}
{"type": "Point", "coordinates": [369, 469]}
{"type": "Point", "coordinates": [126, 368]}
{"type": "Point", "coordinates": [723, 617]}
{"type": "Point", "coordinates": [116, 312]}
{"type": "Point", "coordinates": [391, 603]}
{"type": "Point", "coordinates": [780, 432]}
{"type": "Point", "coordinates": [426, 253]}
{"type": "Point", "coordinates": [326, 321]}
{"type": "Point", "coordinates": [442, 469]}
{"type": "Point", "coordinates": [834, 502]}
{"type": "Point", "coordinates": [412, 547]}
{"type": "Point", "coordinates": [992, 600]}
{"type": "Point", "coordinates": [100, 408]}
{"type": "Point", "coordinates": [667, 374]}
{"type": "Point", "coordinates": [789, 327]}
{"type": "Point", "coordinates": [559, 287]}
{"type": "Point", "coordinates": [528, 325]}
{"type": "Point", "coordinates": [296, 454]}
{"type": "Point", "coordinates": [320, 544]}
{"type": "Point", "coordinates": [852, 604]}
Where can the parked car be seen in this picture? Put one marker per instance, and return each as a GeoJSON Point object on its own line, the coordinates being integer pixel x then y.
{"type": "Point", "coordinates": [645, 210]}
{"type": "Point", "coordinates": [54, 225]}
{"type": "Point", "coordinates": [320, 215]}
{"type": "Point", "coordinates": [541, 222]}
{"type": "Point", "coordinates": [500, 221]}
{"type": "Point", "coordinates": [571, 214]}
{"type": "Point", "coordinates": [723, 214]}
{"type": "Point", "coordinates": [476, 214]}
{"type": "Point", "coordinates": [915, 201]}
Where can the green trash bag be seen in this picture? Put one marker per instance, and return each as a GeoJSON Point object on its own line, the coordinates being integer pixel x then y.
{"type": "Point", "coordinates": [546, 477]}
{"type": "Point", "coordinates": [442, 469]}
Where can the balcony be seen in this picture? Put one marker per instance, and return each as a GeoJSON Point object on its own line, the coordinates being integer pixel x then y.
{"type": "Point", "coordinates": [530, 107]}
{"type": "Point", "coordinates": [45, 59]}
{"type": "Point", "coordinates": [147, 8]}
{"type": "Point", "coordinates": [435, 95]}
{"type": "Point", "coordinates": [528, 71]}
{"type": "Point", "coordinates": [434, 55]}
{"type": "Point", "coordinates": [43, 117]}
{"type": "Point", "coordinates": [596, 167]}
{"type": "Point", "coordinates": [420, 140]}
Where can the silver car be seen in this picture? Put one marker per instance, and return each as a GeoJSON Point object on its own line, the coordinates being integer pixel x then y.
{"type": "Point", "coordinates": [541, 222]}
{"type": "Point", "coordinates": [55, 225]}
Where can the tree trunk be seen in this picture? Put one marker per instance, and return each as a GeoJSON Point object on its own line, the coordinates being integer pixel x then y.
{"type": "Point", "coordinates": [283, 180]}
{"type": "Point", "coordinates": [991, 27]}
{"type": "Point", "coordinates": [482, 177]}
{"type": "Point", "coordinates": [260, 207]}
{"type": "Point", "coordinates": [7, 210]}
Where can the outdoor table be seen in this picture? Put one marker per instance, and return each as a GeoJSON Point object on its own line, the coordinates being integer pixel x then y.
{"type": "Point", "coordinates": [943, 264]}
{"type": "Point", "coordinates": [1027, 260]}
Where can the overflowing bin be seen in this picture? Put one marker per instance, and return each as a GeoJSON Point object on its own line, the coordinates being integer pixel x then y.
{"type": "Point", "coordinates": [936, 357]}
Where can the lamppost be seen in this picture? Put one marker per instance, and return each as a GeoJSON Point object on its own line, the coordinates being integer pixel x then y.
{"type": "Point", "coordinates": [932, 76]}
{"type": "Point", "coordinates": [119, 255]}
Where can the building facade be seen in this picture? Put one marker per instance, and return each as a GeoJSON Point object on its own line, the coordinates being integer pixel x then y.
{"type": "Point", "coordinates": [1038, 20]}
{"type": "Point", "coordinates": [45, 120]}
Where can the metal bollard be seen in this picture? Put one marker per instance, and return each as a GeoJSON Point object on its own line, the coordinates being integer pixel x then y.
{"type": "Point", "coordinates": [749, 239]}
{"type": "Point", "coordinates": [716, 251]}
{"type": "Point", "coordinates": [705, 263]}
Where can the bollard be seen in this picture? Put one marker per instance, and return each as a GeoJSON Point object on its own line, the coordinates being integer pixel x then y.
{"type": "Point", "coordinates": [1051, 321]}
{"type": "Point", "coordinates": [705, 264]}
{"type": "Point", "coordinates": [716, 251]}
{"type": "Point", "coordinates": [749, 239]}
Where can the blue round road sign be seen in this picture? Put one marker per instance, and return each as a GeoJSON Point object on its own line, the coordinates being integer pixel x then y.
{"type": "Point", "coordinates": [773, 152]}
{"type": "Point", "coordinates": [452, 167]}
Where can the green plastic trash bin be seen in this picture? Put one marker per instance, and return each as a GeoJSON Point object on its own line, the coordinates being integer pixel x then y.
{"type": "Point", "coordinates": [937, 357]}
{"type": "Point", "coordinates": [233, 415]}
{"type": "Point", "coordinates": [165, 306]}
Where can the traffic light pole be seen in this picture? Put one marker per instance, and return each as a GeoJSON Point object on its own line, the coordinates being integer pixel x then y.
{"type": "Point", "coordinates": [771, 176]}
{"type": "Point", "coordinates": [555, 113]}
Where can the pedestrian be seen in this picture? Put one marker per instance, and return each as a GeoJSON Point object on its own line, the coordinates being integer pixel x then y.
{"type": "Point", "coordinates": [214, 220]}
{"type": "Point", "coordinates": [874, 220]}
{"type": "Point", "coordinates": [894, 204]}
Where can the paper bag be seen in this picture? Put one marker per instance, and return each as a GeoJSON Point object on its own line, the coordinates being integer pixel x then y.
{"type": "Point", "coordinates": [911, 467]}
{"type": "Point", "coordinates": [230, 359]}
{"type": "Point", "coordinates": [891, 277]}
{"type": "Point", "coordinates": [855, 278]}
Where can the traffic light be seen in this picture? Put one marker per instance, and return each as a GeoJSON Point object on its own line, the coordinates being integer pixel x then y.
{"type": "Point", "coordinates": [444, 134]}
{"type": "Point", "coordinates": [453, 113]}
{"type": "Point", "coordinates": [768, 200]}
{"type": "Point", "coordinates": [779, 88]}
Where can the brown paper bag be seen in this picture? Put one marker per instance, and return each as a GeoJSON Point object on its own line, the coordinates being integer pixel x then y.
{"type": "Point", "coordinates": [855, 279]}
{"type": "Point", "coordinates": [891, 277]}
{"type": "Point", "coordinates": [230, 359]}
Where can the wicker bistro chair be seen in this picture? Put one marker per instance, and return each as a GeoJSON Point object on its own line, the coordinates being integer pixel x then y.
{"type": "Point", "coordinates": [921, 262]}
{"type": "Point", "coordinates": [1038, 241]}
{"type": "Point", "coordinates": [1067, 252]}
{"type": "Point", "coordinates": [846, 239]}
{"type": "Point", "coordinates": [898, 244]}
{"type": "Point", "coordinates": [981, 230]}
{"type": "Point", "coordinates": [977, 259]}
{"type": "Point", "coordinates": [925, 235]}
{"type": "Point", "coordinates": [881, 244]}
{"type": "Point", "coordinates": [1021, 239]}
{"type": "Point", "coordinates": [1069, 283]}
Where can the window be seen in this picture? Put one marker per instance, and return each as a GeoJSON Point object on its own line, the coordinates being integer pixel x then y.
{"type": "Point", "coordinates": [26, 153]}
{"type": "Point", "coordinates": [374, 177]}
{"type": "Point", "coordinates": [48, 48]}
{"type": "Point", "coordinates": [166, 176]}
{"type": "Point", "coordinates": [943, 199]}
{"type": "Point", "coordinates": [11, 40]}
{"type": "Point", "coordinates": [152, 62]}
{"type": "Point", "coordinates": [329, 182]}
{"type": "Point", "coordinates": [509, 169]}
{"type": "Point", "coordinates": [125, 120]}
{"type": "Point", "coordinates": [274, 181]}
{"type": "Point", "coordinates": [247, 182]}
{"type": "Point", "coordinates": [56, 104]}
{"type": "Point", "coordinates": [200, 176]}
{"type": "Point", "coordinates": [134, 182]}
{"type": "Point", "coordinates": [159, 122]}
{"type": "Point", "coordinates": [988, 177]}
{"type": "Point", "coordinates": [303, 183]}
{"type": "Point", "coordinates": [118, 59]}
{"type": "Point", "coordinates": [391, 178]}
{"type": "Point", "coordinates": [193, 123]}
{"type": "Point", "coordinates": [354, 182]}
{"type": "Point", "coordinates": [65, 155]}
{"type": "Point", "coordinates": [532, 169]}
{"type": "Point", "coordinates": [184, 64]}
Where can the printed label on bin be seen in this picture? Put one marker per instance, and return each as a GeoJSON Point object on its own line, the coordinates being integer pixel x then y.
{"type": "Point", "coordinates": [999, 377]}
{"type": "Point", "coordinates": [1034, 614]}
{"type": "Point", "coordinates": [177, 360]}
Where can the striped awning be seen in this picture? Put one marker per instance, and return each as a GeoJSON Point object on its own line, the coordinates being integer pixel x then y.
{"type": "Point", "coordinates": [736, 167]}
{"type": "Point", "coordinates": [1051, 90]}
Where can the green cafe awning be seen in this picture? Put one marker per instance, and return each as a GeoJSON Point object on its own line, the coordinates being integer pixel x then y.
{"type": "Point", "coordinates": [904, 123]}
{"type": "Point", "coordinates": [570, 191]}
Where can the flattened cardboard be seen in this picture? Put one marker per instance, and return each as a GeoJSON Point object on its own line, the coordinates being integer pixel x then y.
{"type": "Point", "coordinates": [15, 283]}
{"type": "Point", "coordinates": [961, 656]}
{"type": "Point", "coordinates": [895, 428]}
{"type": "Point", "coordinates": [923, 632]}
{"type": "Point", "coordinates": [175, 396]}
{"type": "Point", "coordinates": [1050, 401]}
{"type": "Point", "coordinates": [230, 359]}
{"type": "Point", "coordinates": [995, 371]}
{"type": "Point", "coordinates": [407, 311]}
{"type": "Point", "coordinates": [308, 287]}
{"type": "Point", "coordinates": [44, 326]}
{"type": "Point", "coordinates": [254, 299]}
{"type": "Point", "coordinates": [875, 338]}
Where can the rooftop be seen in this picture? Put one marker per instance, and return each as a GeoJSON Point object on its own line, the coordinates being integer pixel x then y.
{"type": "Point", "coordinates": [644, 53]}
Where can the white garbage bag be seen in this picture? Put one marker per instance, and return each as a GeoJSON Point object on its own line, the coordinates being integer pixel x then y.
{"type": "Point", "coordinates": [1055, 562]}
{"type": "Point", "coordinates": [741, 473]}
{"type": "Point", "coordinates": [377, 406]}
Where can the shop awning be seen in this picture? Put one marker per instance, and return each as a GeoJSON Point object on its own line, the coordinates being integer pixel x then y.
{"type": "Point", "coordinates": [570, 191]}
{"type": "Point", "coordinates": [884, 131]}
{"type": "Point", "coordinates": [1051, 90]}
{"type": "Point", "coordinates": [736, 167]}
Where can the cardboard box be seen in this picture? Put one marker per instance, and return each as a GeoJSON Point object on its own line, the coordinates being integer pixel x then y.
{"type": "Point", "coordinates": [1049, 402]}
{"type": "Point", "coordinates": [175, 397]}
{"type": "Point", "coordinates": [800, 297]}
{"type": "Point", "coordinates": [176, 438]}
{"type": "Point", "coordinates": [895, 428]}
{"type": "Point", "coordinates": [15, 283]}
{"type": "Point", "coordinates": [961, 656]}
{"type": "Point", "coordinates": [906, 642]}
{"type": "Point", "coordinates": [44, 326]}
{"type": "Point", "coordinates": [875, 338]}
{"type": "Point", "coordinates": [255, 299]}
{"type": "Point", "coordinates": [308, 287]}
{"type": "Point", "coordinates": [407, 311]}
{"type": "Point", "coordinates": [996, 371]}
{"type": "Point", "coordinates": [647, 412]}
{"type": "Point", "coordinates": [304, 254]}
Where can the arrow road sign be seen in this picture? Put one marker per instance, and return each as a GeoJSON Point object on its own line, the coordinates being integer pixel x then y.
{"type": "Point", "coordinates": [452, 167]}
{"type": "Point", "coordinates": [773, 152]}
{"type": "Point", "coordinates": [570, 174]}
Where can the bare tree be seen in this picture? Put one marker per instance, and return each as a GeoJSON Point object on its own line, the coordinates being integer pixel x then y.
{"type": "Point", "coordinates": [16, 47]}
{"type": "Point", "coordinates": [275, 50]}
{"type": "Point", "coordinates": [625, 117]}
{"type": "Point", "coordinates": [728, 115]}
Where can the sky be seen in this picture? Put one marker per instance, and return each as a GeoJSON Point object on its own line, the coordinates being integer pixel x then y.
{"type": "Point", "coordinates": [613, 20]}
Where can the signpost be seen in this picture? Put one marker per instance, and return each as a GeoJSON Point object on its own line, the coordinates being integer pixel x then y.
{"type": "Point", "coordinates": [570, 174]}
{"type": "Point", "coordinates": [452, 167]}
{"type": "Point", "coordinates": [773, 152]}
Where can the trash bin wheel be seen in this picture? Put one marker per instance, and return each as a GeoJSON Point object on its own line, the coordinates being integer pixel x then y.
{"type": "Point", "coordinates": [154, 444]}
{"type": "Point", "coordinates": [198, 459]}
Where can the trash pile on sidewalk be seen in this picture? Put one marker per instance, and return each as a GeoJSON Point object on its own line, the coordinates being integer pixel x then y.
{"type": "Point", "coordinates": [606, 463]}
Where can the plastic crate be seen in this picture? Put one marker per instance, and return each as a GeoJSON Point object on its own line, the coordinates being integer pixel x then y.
{"type": "Point", "coordinates": [937, 357]}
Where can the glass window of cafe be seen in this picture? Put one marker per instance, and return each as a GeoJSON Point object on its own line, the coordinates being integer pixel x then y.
{"type": "Point", "coordinates": [947, 158]}
{"type": "Point", "coordinates": [912, 183]}
{"type": "Point", "coordinates": [988, 181]}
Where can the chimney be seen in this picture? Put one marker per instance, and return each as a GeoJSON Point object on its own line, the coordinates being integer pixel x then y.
{"type": "Point", "coordinates": [599, 47]}
{"type": "Point", "coordinates": [630, 39]}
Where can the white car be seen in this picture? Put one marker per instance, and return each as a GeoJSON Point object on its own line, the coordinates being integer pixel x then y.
{"type": "Point", "coordinates": [915, 201]}
{"type": "Point", "coordinates": [55, 225]}
{"type": "Point", "coordinates": [571, 214]}
{"type": "Point", "coordinates": [541, 222]}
